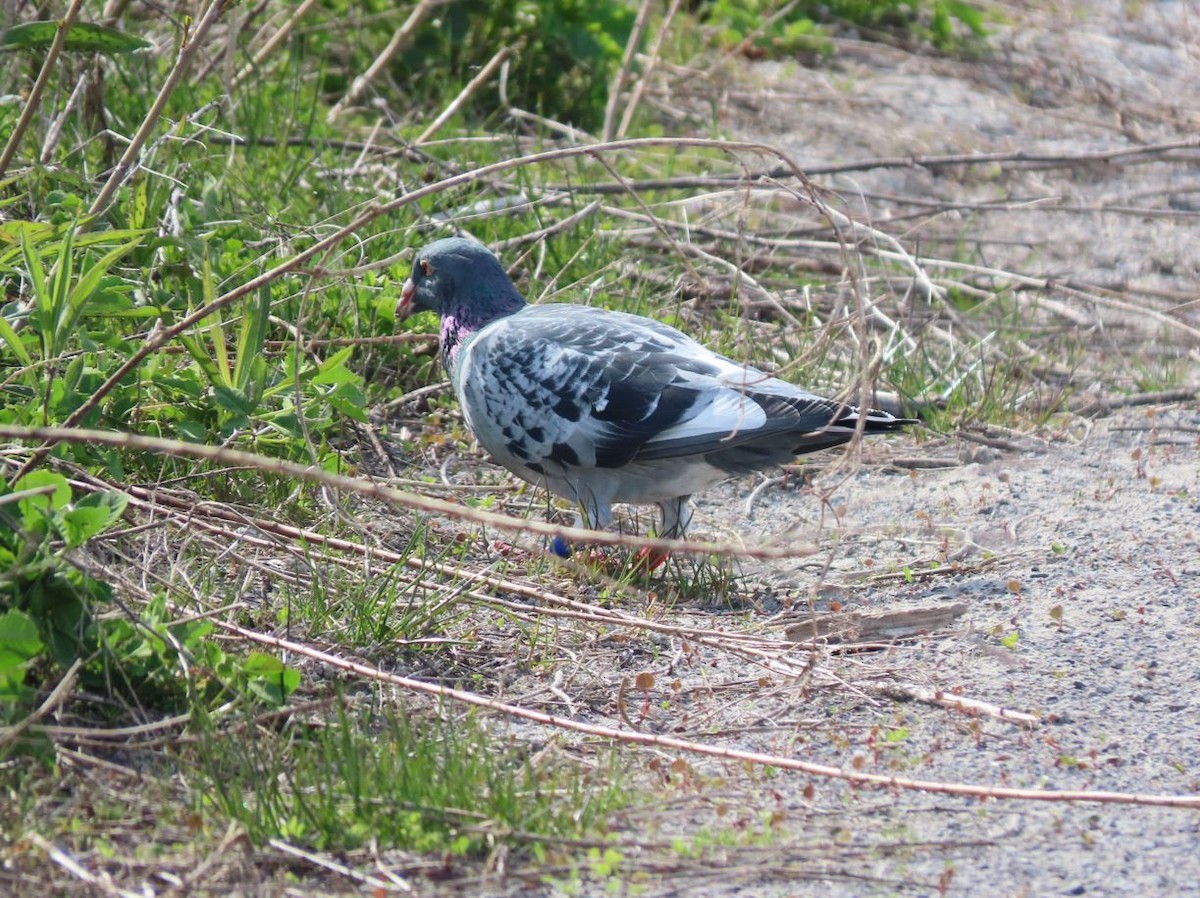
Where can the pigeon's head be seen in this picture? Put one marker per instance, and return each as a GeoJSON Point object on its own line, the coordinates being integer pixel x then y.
{"type": "Point", "coordinates": [459, 278]}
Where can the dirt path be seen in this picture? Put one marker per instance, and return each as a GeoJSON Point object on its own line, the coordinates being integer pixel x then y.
{"type": "Point", "coordinates": [1081, 572]}
{"type": "Point", "coordinates": [1078, 549]}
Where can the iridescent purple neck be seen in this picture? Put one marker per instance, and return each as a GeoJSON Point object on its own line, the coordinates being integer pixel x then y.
{"type": "Point", "coordinates": [454, 333]}
{"type": "Point", "coordinates": [461, 324]}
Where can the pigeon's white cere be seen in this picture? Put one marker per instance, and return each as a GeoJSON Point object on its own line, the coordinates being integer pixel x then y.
{"type": "Point", "coordinates": [603, 407]}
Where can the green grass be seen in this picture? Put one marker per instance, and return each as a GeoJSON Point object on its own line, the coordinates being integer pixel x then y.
{"type": "Point", "coordinates": [175, 730]}
{"type": "Point", "coordinates": [443, 785]}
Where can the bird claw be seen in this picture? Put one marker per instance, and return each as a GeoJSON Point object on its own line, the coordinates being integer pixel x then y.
{"type": "Point", "coordinates": [505, 549]}
{"type": "Point", "coordinates": [651, 559]}
{"type": "Point", "coordinates": [646, 559]}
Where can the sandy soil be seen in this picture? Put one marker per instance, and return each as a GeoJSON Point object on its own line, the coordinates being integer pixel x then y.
{"type": "Point", "coordinates": [1080, 568]}
{"type": "Point", "coordinates": [1079, 549]}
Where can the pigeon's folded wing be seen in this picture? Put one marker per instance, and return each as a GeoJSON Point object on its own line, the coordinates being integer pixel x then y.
{"type": "Point", "coordinates": [579, 387]}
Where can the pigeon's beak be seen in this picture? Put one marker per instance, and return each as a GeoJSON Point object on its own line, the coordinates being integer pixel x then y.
{"type": "Point", "coordinates": [405, 306]}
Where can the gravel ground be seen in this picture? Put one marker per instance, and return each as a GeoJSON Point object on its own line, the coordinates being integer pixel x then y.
{"type": "Point", "coordinates": [1078, 549]}
{"type": "Point", "coordinates": [1081, 573]}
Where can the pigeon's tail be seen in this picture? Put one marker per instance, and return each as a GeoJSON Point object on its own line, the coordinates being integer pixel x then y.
{"type": "Point", "coordinates": [874, 421]}
{"type": "Point", "coordinates": [846, 423]}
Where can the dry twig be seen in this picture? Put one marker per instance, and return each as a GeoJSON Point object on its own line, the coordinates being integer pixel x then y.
{"type": "Point", "coordinates": [731, 754]}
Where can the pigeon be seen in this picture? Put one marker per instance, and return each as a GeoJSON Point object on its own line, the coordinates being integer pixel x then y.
{"type": "Point", "coordinates": [602, 407]}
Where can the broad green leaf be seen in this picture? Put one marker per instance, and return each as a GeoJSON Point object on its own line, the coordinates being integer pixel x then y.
{"type": "Point", "coordinates": [92, 515]}
{"type": "Point", "coordinates": [19, 639]}
{"type": "Point", "coordinates": [251, 338]}
{"type": "Point", "coordinates": [350, 401]}
{"type": "Point", "coordinates": [216, 329]}
{"type": "Point", "coordinates": [334, 371]}
{"type": "Point", "coordinates": [82, 36]}
{"type": "Point", "coordinates": [42, 306]}
{"type": "Point", "coordinates": [203, 360]}
{"type": "Point", "coordinates": [192, 431]}
{"type": "Point", "coordinates": [86, 286]}
{"type": "Point", "coordinates": [141, 202]}
{"type": "Point", "coordinates": [13, 341]}
{"type": "Point", "coordinates": [13, 232]}
{"type": "Point", "coordinates": [260, 664]}
{"type": "Point", "coordinates": [268, 678]}
{"type": "Point", "coordinates": [61, 276]}
{"type": "Point", "coordinates": [233, 400]}
{"type": "Point", "coordinates": [33, 509]}
{"type": "Point", "coordinates": [80, 524]}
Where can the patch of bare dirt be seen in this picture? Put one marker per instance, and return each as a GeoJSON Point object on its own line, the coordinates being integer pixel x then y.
{"type": "Point", "coordinates": [1077, 550]}
{"type": "Point", "coordinates": [1079, 563]}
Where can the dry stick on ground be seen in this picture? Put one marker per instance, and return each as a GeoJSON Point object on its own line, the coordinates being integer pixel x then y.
{"type": "Point", "coordinates": [378, 884]}
{"type": "Point", "coordinates": [39, 86]}
{"type": "Point", "coordinates": [713, 751]}
{"type": "Point", "coordinates": [101, 881]}
{"type": "Point", "coordinates": [1086, 292]}
{"type": "Point", "coordinates": [57, 696]}
{"type": "Point", "coordinates": [113, 10]}
{"type": "Point", "coordinates": [192, 514]}
{"type": "Point", "coordinates": [160, 336]}
{"type": "Point", "coordinates": [222, 52]}
{"type": "Point", "coordinates": [521, 115]}
{"type": "Point", "coordinates": [399, 41]}
{"type": "Point", "coordinates": [639, 87]}
{"type": "Point", "coordinates": [271, 44]}
{"type": "Point", "coordinates": [1148, 154]}
{"type": "Point", "coordinates": [542, 233]}
{"type": "Point", "coordinates": [54, 132]}
{"type": "Point", "coordinates": [126, 164]}
{"type": "Point", "coordinates": [622, 76]}
{"type": "Point", "coordinates": [768, 653]}
{"type": "Point", "coordinates": [362, 487]}
{"type": "Point", "coordinates": [465, 94]}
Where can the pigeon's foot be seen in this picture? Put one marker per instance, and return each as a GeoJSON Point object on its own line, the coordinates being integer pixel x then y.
{"type": "Point", "coordinates": [509, 550]}
{"type": "Point", "coordinates": [613, 562]}
{"type": "Point", "coordinates": [648, 559]}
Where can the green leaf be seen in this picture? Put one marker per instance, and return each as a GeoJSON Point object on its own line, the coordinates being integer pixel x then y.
{"type": "Point", "coordinates": [334, 371]}
{"type": "Point", "coordinates": [42, 312]}
{"type": "Point", "coordinates": [61, 276]}
{"type": "Point", "coordinates": [83, 36]}
{"type": "Point", "coordinates": [80, 524]}
{"type": "Point", "coordinates": [14, 232]}
{"type": "Point", "coordinates": [350, 401]}
{"type": "Point", "coordinates": [34, 508]}
{"type": "Point", "coordinates": [233, 400]}
{"type": "Point", "coordinates": [86, 286]}
{"type": "Point", "coordinates": [92, 515]}
{"type": "Point", "coordinates": [251, 337]}
{"type": "Point", "coordinates": [10, 337]}
{"type": "Point", "coordinates": [268, 678]}
{"type": "Point", "coordinates": [19, 640]}
{"type": "Point", "coordinates": [260, 664]}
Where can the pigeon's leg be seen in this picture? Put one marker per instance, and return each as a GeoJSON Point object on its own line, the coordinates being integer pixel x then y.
{"type": "Point", "coordinates": [677, 514]}
{"type": "Point", "coordinates": [594, 514]}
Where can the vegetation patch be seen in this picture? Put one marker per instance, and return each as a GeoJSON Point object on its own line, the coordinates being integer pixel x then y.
{"type": "Point", "coordinates": [267, 617]}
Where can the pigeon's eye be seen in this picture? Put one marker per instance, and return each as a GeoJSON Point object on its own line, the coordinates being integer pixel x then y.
{"type": "Point", "coordinates": [426, 268]}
